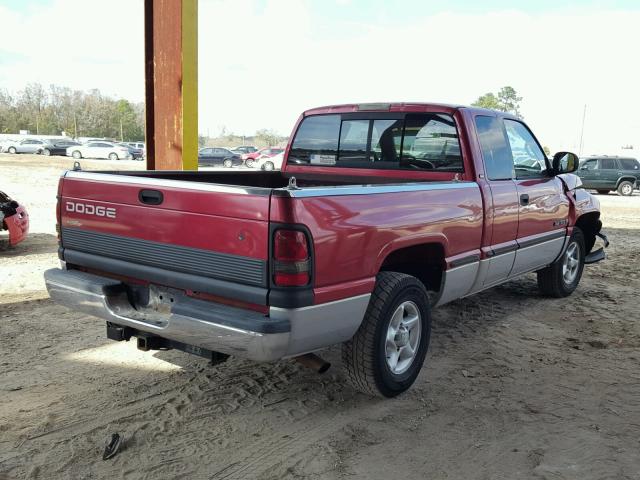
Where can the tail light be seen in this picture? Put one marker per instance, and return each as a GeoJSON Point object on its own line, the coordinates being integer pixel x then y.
{"type": "Point", "coordinates": [291, 258]}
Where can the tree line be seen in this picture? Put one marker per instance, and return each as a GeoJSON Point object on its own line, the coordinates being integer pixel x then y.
{"type": "Point", "coordinates": [78, 113]}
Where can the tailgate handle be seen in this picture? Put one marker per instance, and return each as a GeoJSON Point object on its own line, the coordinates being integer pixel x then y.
{"type": "Point", "coordinates": [150, 197]}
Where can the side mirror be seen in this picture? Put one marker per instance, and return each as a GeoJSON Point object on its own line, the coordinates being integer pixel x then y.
{"type": "Point", "coordinates": [565, 162]}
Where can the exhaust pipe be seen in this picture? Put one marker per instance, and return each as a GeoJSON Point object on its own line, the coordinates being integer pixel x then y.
{"type": "Point", "coordinates": [314, 362]}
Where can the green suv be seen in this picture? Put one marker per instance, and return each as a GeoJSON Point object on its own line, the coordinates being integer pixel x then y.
{"type": "Point", "coordinates": [610, 173]}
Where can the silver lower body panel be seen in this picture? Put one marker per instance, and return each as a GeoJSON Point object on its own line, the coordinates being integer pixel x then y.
{"type": "Point", "coordinates": [213, 326]}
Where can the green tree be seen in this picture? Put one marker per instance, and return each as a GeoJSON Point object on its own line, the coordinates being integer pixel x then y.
{"type": "Point", "coordinates": [267, 136]}
{"type": "Point", "coordinates": [506, 100]}
{"type": "Point", "coordinates": [488, 100]}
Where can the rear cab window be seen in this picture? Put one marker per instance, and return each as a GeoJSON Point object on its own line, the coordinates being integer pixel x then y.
{"type": "Point", "coordinates": [412, 141]}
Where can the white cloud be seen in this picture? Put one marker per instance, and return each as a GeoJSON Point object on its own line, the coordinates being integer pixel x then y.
{"type": "Point", "coordinates": [262, 63]}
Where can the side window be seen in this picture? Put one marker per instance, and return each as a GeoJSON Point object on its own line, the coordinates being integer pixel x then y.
{"type": "Point", "coordinates": [353, 141]}
{"type": "Point", "coordinates": [589, 165]}
{"type": "Point", "coordinates": [386, 140]}
{"type": "Point", "coordinates": [528, 158]}
{"type": "Point", "coordinates": [495, 151]}
{"type": "Point", "coordinates": [629, 164]}
{"type": "Point", "coordinates": [316, 141]}
{"type": "Point", "coordinates": [607, 164]}
{"type": "Point", "coordinates": [93, 145]}
{"type": "Point", "coordinates": [206, 151]}
{"type": "Point", "coordinates": [431, 142]}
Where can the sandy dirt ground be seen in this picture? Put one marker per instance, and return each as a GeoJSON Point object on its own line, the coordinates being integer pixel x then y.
{"type": "Point", "coordinates": [515, 386]}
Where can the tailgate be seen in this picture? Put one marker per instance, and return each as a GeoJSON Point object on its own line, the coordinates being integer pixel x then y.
{"type": "Point", "coordinates": [196, 236]}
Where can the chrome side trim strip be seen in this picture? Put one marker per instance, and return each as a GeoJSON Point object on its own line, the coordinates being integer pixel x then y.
{"type": "Point", "coordinates": [131, 179]}
{"type": "Point", "coordinates": [457, 283]}
{"type": "Point", "coordinates": [338, 190]}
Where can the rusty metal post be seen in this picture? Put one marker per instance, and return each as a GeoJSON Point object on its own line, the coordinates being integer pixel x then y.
{"type": "Point", "coordinates": [171, 84]}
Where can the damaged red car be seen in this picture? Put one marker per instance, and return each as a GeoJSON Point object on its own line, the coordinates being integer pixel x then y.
{"type": "Point", "coordinates": [14, 219]}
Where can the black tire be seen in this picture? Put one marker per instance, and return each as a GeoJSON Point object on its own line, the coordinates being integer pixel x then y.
{"type": "Point", "coordinates": [227, 163]}
{"type": "Point", "coordinates": [11, 150]}
{"type": "Point", "coordinates": [46, 152]}
{"type": "Point", "coordinates": [268, 166]}
{"type": "Point", "coordinates": [625, 188]}
{"type": "Point", "coordinates": [76, 154]}
{"type": "Point", "coordinates": [249, 163]}
{"type": "Point", "coordinates": [364, 356]}
{"type": "Point", "coordinates": [602, 192]}
{"type": "Point", "coordinates": [113, 156]}
{"type": "Point", "coordinates": [552, 280]}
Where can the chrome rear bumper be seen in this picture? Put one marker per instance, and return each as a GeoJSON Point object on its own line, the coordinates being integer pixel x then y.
{"type": "Point", "coordinates": [244, 333]}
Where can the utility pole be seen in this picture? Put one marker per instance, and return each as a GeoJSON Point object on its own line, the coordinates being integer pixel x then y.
{"type": "Point", "coordinates": [584, 114]}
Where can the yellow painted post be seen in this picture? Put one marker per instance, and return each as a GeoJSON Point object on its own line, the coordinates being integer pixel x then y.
{"type": "Point", "coordinates": [171, 83]}
{"type": "Point", "coordinates": [190, 84]}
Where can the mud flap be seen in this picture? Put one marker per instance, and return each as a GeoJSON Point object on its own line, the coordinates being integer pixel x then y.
{"type": "Point", "coordinates": [597, 255]}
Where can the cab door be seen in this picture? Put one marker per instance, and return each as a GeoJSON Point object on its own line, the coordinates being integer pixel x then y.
{"type": "Point", "coordinates": [543, 207]}
{"type": "Point", "coordinates": [589, 173]}
{"type": "Point", "coordinates": [501, 212]}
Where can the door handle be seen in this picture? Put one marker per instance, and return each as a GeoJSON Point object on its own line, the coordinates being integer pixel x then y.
{"type": "Point", "coordinates": [524, 199]}
{"type": "Point", "coordinates": [150, 197]}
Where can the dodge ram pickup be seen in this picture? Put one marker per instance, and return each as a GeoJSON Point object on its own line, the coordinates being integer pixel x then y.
{"type": "Point", "coordinates": [380, 213]}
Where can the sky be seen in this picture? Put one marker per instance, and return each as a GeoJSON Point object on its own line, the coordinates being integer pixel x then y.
{"type": "Point", "coordinates": [262, 62]}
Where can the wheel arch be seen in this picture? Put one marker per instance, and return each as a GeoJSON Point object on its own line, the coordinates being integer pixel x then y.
{"type": "Point", "coordinates": [590, 224]}
{"type": "Point", "coordinates": [424, 260]}
{"type": "Point", "coordinates": [626, 178]}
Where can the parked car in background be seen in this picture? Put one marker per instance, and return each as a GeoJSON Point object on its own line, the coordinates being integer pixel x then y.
{"type": "Point", "coordinates": [14, 219]}
{"type": "Point", "coordinates": [269, 163]}
{"type": "Point", "coordinates": [139, 145]}
{"type": "Point", "coordinates": [4, 144]}
{"type": "Point", "coordinates": [216, 156]}
{"type": "Point", "coordinates": [109, 150]}
{"type": "Point", "coordinates": [134, 152]}
{"type": "Point", "coordinates": [244, 149]}
{"type": "Point", "coordinates": [56, 146]}
{"type": "Point", "coordinates": [250, 158]}
{"type": "Point", "coordinates": [28, 145]}
{"type": "Point", "coordinates": [603, 174]}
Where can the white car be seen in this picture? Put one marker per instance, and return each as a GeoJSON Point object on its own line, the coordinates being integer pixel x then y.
{"type": "Point", "coordinates": [102, 149]}
{"type": "Point", "coordinates": [269, 163]}
{"type": "Point", "coordinates": [28, 145]}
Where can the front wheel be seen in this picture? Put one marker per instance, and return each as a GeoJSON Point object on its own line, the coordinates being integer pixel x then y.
{"type": "Point", "coordinates": [76, 154]}
{"type": "Point", "coordinates": [562, 277]}
{"type": "Point", "coordinates": [249, 162]}
{"type": "Point", "coordinates": [12, 150]}
{"type": "Point", "coordinates": [625, 188]}
{"type": "Point", "coordinates": [227, 163]}
{"type": "Point", "coordinates": [386, 354]}
{"type": "Point", "coordinates": [268, 166]}
{"type": "Point", "coordinates": [46, 152]}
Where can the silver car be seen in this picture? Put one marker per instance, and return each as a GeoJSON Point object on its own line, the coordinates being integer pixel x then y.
{"type": "Point", "coordinates": [28, 145]}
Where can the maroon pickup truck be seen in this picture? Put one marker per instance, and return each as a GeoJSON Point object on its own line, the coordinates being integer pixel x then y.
{"type": "Point", "coordinates": [381, 212]}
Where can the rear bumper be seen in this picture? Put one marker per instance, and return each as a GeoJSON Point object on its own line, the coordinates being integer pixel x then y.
{"type": "Point", "coordinates": [213, 326]}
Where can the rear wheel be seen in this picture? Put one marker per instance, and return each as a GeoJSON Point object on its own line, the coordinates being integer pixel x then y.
{"type": "Point", "coordinates": [12, 150]}
{"type": "Point", "coordinates": [46, 152]}
{"type": "Point", "coordinates": [76, 154]}
{"type": "Point", "coordinates": [227, 163]}
{"type": "Point", "coordinates": [268, 166]}
{"type": "Point", "coordinates": [625, 188]}
{"type": "Point", "coordinates": [249, 162]}
{"type": "Point", "coordinates": [562, 277]}
{"type": "Point", "coordinates": [113, 156]}
{"type": "Point", "coordinates": [386, 354]}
